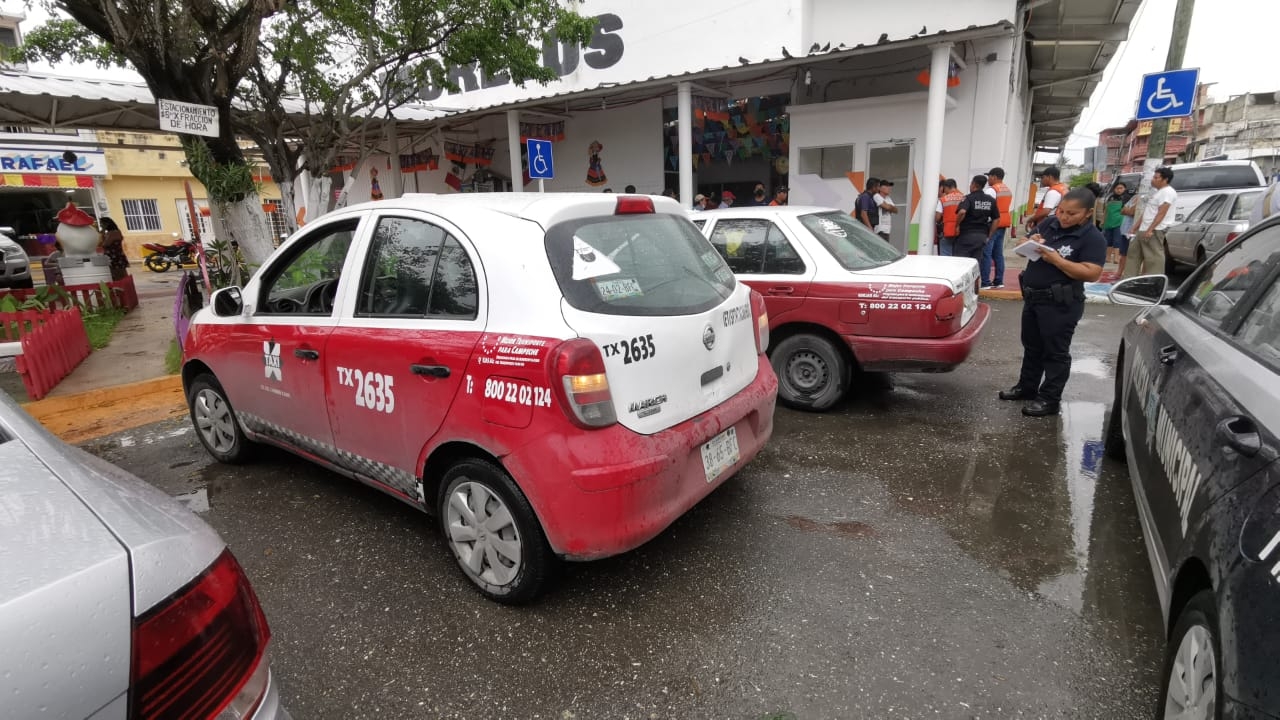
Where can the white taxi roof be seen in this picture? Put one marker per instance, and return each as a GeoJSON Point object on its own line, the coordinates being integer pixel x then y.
{"type": "Point", "coordinates": [545, 209]}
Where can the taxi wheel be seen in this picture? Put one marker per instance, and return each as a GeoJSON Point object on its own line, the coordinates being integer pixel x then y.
{"type": "Point", "coordinates": [1192, 685]}
{"type": "Point", "coordinates": [215, 421]}
{"type": "Point", "coordinates": [493, 533]}
{"type": "Point", "coordinates": [812, 374]}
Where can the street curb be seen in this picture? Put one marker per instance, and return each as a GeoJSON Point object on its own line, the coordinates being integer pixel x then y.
{"type": "Point", "coordinates": [97, 413]}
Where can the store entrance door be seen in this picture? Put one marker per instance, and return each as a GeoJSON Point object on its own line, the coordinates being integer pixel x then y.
{"type": "Point", "coordinates": [202, 213]}
{"type": "Point", "coordinates": [892, 161]}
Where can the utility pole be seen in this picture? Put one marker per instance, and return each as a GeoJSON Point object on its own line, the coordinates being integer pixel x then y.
{"type": "Point", "coordinates": [1173, 61]}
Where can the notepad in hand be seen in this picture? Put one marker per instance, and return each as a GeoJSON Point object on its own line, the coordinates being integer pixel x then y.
{"type": "Point", "coordinates": [1029, 250]}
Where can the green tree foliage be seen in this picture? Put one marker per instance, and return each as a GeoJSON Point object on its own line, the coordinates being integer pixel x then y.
{"type": "Point", "coordinates": [1078, 181]}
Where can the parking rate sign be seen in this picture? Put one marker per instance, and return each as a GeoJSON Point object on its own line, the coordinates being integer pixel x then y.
{"type": "Point", "coordinates": [1168, 94]}
{"type": "Point", "coordinates": [541, 166]}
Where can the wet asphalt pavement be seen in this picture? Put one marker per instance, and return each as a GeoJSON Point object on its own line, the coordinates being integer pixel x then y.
{"type": "Point", "coordinates": [922, 551]}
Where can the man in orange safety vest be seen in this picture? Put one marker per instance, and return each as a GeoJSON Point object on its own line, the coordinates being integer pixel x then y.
{"type": "Point", "coordinates": [1053, 195]}
{"type": "Point", "coordinates": [949, 197]}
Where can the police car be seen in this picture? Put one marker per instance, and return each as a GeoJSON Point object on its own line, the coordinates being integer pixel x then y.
{"type": "Point", "coordinates": [840, 298]}
{"type": "Point", "coordinates": [554, 376]}
{"type": "Point", "coordinates": [1197, 417]}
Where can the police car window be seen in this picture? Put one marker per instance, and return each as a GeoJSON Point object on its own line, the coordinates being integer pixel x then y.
{"type": "Point", "coordinates": [1243, 206]}
{"type": "Point", "coordinates": [644, 264]}
{"type": "Point", "coordinates": [307, 282]}
{"type": "Point", "coordinates": [849, 241]}
{"type": "Point", "coordinates": [1260, 331]}
{"type": "Point", "coordinates": [1213, 292]}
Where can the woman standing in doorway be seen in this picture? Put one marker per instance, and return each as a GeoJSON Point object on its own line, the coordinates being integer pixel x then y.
{"type": "Point", "coordinates": [113, 248]}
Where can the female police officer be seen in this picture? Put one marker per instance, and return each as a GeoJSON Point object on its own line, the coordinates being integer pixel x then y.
{"type": "Point", "coordinates": [1072, 252]}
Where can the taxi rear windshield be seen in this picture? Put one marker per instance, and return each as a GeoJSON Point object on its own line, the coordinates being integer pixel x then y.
{"type": "Point", "coordinates": [637, 265]}
{"type": "Point", "coordinates": [849, 241]}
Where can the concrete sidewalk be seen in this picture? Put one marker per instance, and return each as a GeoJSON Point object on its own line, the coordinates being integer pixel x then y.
{"type": "Point", "coordinates": [124, 384]}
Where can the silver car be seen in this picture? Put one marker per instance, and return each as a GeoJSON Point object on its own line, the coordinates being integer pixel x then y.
{"type": "Point", "coordinates": [115, 601]}
{"type": "Point", "coordinates": [1214, 223]}
{"type": "Point", "coordinates": [15, 266]}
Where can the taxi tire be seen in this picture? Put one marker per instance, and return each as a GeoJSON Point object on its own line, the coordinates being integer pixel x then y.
{"type": "Point", "coordinates": [241, 448]}
{"type": "Point", "coordinates": [1199, 611]}
{"type": "Point", "coordinates": [839, 372]}
{"type": "Point", "coordinates": [537, 562]}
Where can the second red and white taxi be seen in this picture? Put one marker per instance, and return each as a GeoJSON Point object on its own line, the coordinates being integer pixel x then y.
{"type": "Point", "coordinates": [555, 376]}
{"type": "Point", "coordinates": [841, 299]}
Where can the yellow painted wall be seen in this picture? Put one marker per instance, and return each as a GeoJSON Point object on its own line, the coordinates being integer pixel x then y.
{"type": "Point", "coordinates": [151, 173]}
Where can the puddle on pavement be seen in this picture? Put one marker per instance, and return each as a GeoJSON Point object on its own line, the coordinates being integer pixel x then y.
{"type": "Point", "coordinates": [1091, 366]}
{"type": "Point", "coordinates": [196, 501]}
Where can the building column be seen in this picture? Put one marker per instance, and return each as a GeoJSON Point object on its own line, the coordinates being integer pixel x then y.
{"type": "Point", "coordinates": [684, 117]}
{"type": "Point", "coordinates": [513, 147]}
{"type": "Point", "coordinates": [939, 64]}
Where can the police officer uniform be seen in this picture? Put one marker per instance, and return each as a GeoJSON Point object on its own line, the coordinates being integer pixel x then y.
{"type": "Point", "coordinates": [975, 229]}
{"type": "Point", "coordinates": [1052, 306]}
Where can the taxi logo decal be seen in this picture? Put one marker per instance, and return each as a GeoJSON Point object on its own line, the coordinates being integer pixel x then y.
{"type": "Point", "coordinates": [271, 360]}
{"type": "Point", "coordinates": [648, 406]}
{"type": "Point", "coordinates": [708, 337]}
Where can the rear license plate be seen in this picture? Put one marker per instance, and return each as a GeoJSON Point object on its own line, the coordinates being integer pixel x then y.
{"type": "Point", "coordinates": [720, 453]}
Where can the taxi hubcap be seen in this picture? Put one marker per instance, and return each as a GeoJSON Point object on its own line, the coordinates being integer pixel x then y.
{"type": "Point", "coordinates": [483, 534]}
{"type": "Point", "coordinates": [213, 418]}
{"type": "Point", "coordinates": [1192, 685]}
{"type": "Point", "coordinates": [806, 372]}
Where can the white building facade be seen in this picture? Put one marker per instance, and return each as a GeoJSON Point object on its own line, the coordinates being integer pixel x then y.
{"type": "Point", "coordinates": [815, 95]}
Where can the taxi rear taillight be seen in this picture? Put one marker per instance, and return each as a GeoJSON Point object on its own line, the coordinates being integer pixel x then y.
{"type": "Point", "coordinates": [581, 384]}
{"type": "Point", "coordinates": [1232, 236]}
{"type": "Point", "coordinates": [202, 653]}
{"type": "Point", "coordinates": [761, 315]}
{"type": "Point", "coordinates": [634, 205]}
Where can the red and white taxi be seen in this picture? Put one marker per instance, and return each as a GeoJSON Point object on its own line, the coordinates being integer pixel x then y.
{"type": "Point", "coordinates": [554, 375]}
{"type": "Point", "coordinates": [840, 298]}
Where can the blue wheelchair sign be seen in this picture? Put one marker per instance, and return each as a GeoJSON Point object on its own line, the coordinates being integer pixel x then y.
{"type": "Point", "coordinates": [1168, 94]}
{"type": "Point", "coordinates": [541, 166]}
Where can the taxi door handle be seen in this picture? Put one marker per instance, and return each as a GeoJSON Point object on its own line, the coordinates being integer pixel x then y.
{"type": "Point", "coordinates": [781, 290]}
{"type": "Point", "coordinates": [1240, 434]}
{"type": "Point", "coordinates": [439, 371]}
{"type": "Point", "coordinates": [1168, 355]}
{"type": "Point", "coordinates": [307, 354]}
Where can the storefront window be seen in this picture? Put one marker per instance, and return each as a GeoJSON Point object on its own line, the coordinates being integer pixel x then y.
{"type": "Point", "coordinates": [828, 163]}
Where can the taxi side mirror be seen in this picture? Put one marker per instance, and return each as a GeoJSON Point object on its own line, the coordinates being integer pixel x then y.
{"type": "Point", "coordinates": [1142, 290]}
{"type": "Point", "coordinates": [228, 302]}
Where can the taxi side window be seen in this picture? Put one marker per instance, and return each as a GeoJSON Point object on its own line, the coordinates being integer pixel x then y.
{"type": "Point", "coordinates": [1216, 288]}
{"type": "Point", "coordinates": [1260, 331]}
{"type": "Point", "coordinates": [1207, 210]}
{"type": "Point", "coordinates": [755, 247]}
{"type": "Point", "coordinates": [307, 283]}
{"type": "Point", "coordinates": [416, 269]}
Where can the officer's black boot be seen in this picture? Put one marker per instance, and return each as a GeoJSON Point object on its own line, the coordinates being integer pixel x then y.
{"type": "Point", "coordinates": [1040, 408]}
{"type": "Point", "coordinates": [1016, 393]}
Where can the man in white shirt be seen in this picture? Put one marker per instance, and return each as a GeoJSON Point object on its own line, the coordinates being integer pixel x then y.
{"type": "Point", "coordinates": [1146, 252]}
{"type": "Point", "coordinates": [887, 209]}
{"type": "Point", "coordinates": [1267, 205]}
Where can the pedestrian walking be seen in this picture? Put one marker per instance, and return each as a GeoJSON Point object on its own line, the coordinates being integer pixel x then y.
{"type": "Point", "coordinates": [1114, 220]}
{"type": "Point", "coordinates": [887, 209]}
{"type": "Point", "coordinates": [113, 248]}
{"type": "Point", "coordinates": [1146, 252]}
{"type": "Point", "coordinates": [1267, 205]}
{"type": "Point", "coordinates": [976, 216]}
{"type": "Point", "coordinates": [868, 212]}
{"type": "Point", "coordinates": [945, 215]}
{"type": "Point", "coordinates": [1131, 211]}
{"type": "Point", "coordinates": [993, 254]}
{"type": "Point", "coordinates": [1049, 178]}
{"type": "Point", "coordinates": [1072, 253]}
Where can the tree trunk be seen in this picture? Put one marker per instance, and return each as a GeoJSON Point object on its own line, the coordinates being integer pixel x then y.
{"type": "Point", "coordinates": [318, 196]}
{"type": "Point", "coordinates": [345, 195]}
{"type": "Point", "coordinates": [289, 206]}
{"type": "Point", "coordinates": [244, 223]}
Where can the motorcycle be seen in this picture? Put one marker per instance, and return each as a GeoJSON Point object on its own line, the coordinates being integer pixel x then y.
{"type": "Point", "coordinates": [163, 257]}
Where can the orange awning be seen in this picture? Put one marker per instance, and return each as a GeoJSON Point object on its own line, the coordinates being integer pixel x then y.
{"type": "Point", "coordinates": [35, 180]}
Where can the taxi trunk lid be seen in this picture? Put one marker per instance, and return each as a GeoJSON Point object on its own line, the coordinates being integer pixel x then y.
{"type": "Point", "coordinates": [674, 327]}
{"type": "Point", "coordinates": [911, 277]}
